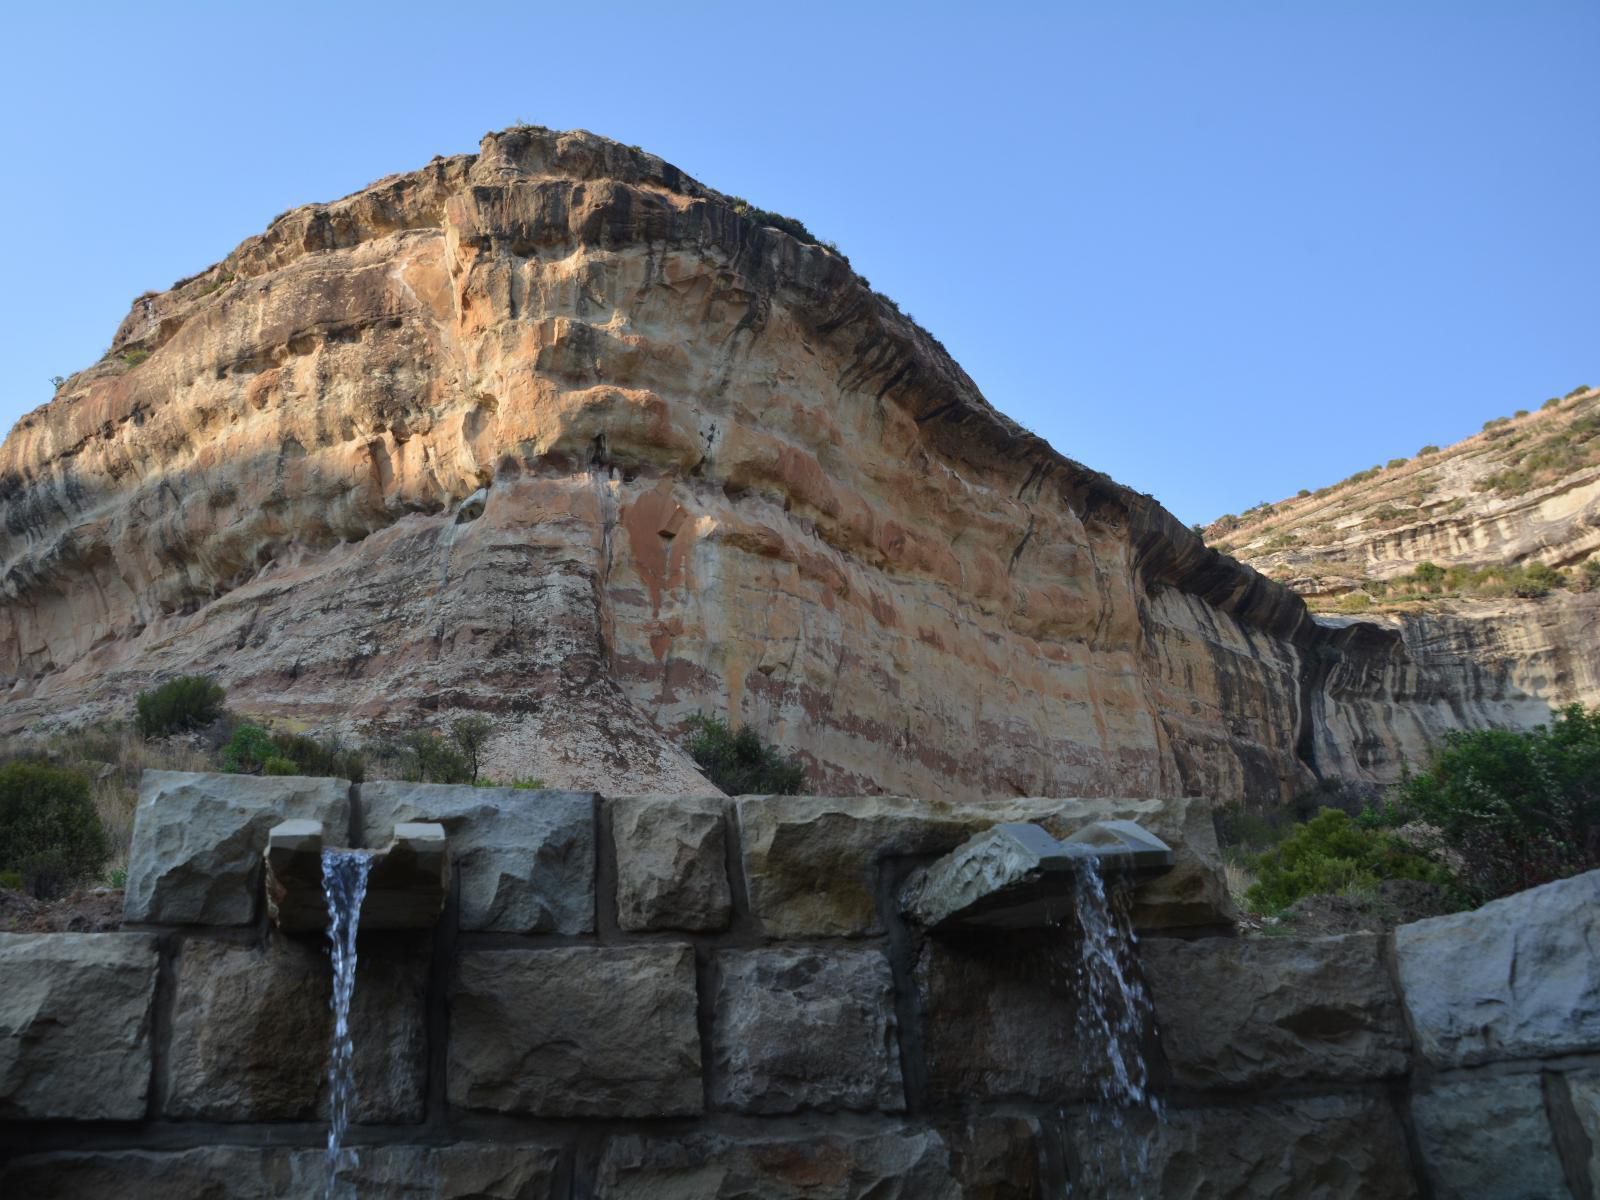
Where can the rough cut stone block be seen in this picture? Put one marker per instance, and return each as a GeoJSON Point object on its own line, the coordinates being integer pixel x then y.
{"type": "Point", "coordinates": [1518, 978]}
{"type": "Point", "coordinates": [198, 841]}
{"type": "Point", "coordinates": [671, 870]}
{"type": "Point", "coordinates": [789, 842]}
{"type": "Point", "coordinates": [1584, 1089]}
{"type": "Point", "coordinates": [464, 1171]}
{"type": "Point", "coordinates": [525, 859]}
{"type": "Point", "coordinates": [1249, 1013]}
{"type": "Point", "coordinates": [251, 1030]}
{"type": "Point", "coordinates": [583, 1031]}
{"type": "Point", "coordinates": [990, 1160]}
{"type": "Point", "coordinates": [1330, 1147]}
{"type": "Point", "coordinates": [1484, 1138]}
{"type": "Point", "coordinates": [805, 1028]}
{"type": "Point", "coordinates": [998, 1021]}
{"type": "Point", "coordinates": [75, 1025]}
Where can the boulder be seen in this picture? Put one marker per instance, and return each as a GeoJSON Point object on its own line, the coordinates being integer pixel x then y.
{"type": "Point", "coordinates": [75, 1017]}
{"type": "Point", "coordinates": [1235, 1013]}
{"type": "Point", "coordinates": [251, 1030]}
{"type": "Point", "coordinates": [805, 1027]}
{"type": "Point", "coordinates": [788, 842]}
{"type": "Point", "coordinates": [525, 859]}
{"type": "Point", "coordinates": [1486, 1138]}
{"type": "Point", "coordinates": [462, 1171]}
{"type": "Point", "coordinates": [198, 841]}
{"type": "Point", "coordinates": [991, 1160]}
{"type": "Point", "coordinates": [671, 868]}
{"type": "Point", "coordinates": [1517, 978]}
{"type": "Point", "coordinates": [579, 1031]}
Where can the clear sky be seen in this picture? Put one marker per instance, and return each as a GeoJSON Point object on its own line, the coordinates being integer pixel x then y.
{"type": "Point", "coordinates": [1220, 250]}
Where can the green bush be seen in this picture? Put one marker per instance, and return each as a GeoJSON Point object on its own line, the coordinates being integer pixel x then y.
{"type": "Point", "coordinates": [741, 764]}
{"type": "Point", "coordinates": [247, 750]}
{"type": "Point", "coordinates": [434, 759]}
{"type": "Point", "coordinates": [1331, 853]}
{"type": "Point", "coordinates": [50, 833]}
{"type": "Point", "coordinates": [1519, 808]}
{"type": "Point", "coordinates": [187, 702]}
{"type": "Point", "coordinates": [277, 765]}
{"type": "Point", "coordinates": [1397, 462]}
{"type": "Point", "coordinates": [1428, 449]}
{"type": "Point", "coordinates": [11, 880]}
{"type": "Point", "coordinates": [253, 750]}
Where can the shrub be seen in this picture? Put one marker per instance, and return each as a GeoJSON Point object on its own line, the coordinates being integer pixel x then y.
{"type": "Point", "coordinates": [1428, 574]}
{"type": "Point", "coordinates": [50, 833]}
{"type": "Point", "coordinates": [1589, 576]}
{"type": "Point", "coordinates": [1495, 423]}
{"type": "Point", "coordinates": [1302, 493]}
{"type": "Point", "coordinates": [470, 734]}
{"type": "Point", "coordinates": [1331, 853]}
{"type": "Point", "coordinates": [1519, 808]}
{"type": "Point", "coordinates": [132, 358]}
{"type": "Point", "coordinates": [187, 702]}
{"type": "Point", "coordinates": [253, 750]}
{"type": "Point", "coordinates": [248, 749]}
{"type": "Point", "coordinates": [1354, 602]}
{"type": "Point", "coordinates": [1578, 391]}
{"type": "Point", "coordinates": [429, 758]}
{"type": "Point", "coordinates": [1553, 402]}
{"type": "Point", "coordinates": [11, 880]}
{"type": "Point", "coordinates": [277, 765]}
{"type": "Point", "coordinates": [1397, 462]}
{"type": "Point", "coordinates": [1429, 449]}
{"type": "Point", "coordinates": [1520, 413]}
{"type": "Point", "coordinates": [762, 216]}
{"type": "Point", "coordinates": [741, 764]}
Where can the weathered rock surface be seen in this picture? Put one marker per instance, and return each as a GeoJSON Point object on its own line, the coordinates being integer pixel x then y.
{"type": "Point", "coordinates": [1488, 1137]}
{"type": "Point", "coordinates": [75, 1015]}
{"type": "Point", "coordinates": [251, 1029]}
{"type": "Point", "coordinates": [198, 841]}
{"type": "Point", "coordinates": [1325, 1146]}
{"type": "Point", "coordinates": [525, 859]}
{"type": "Point", "coordinates": [1583, 1091]}
{"type": "Point", "coordinates": [671, 862]}
{"type": "Point", "coordinates": [788, 842]}
{"type": "Point", "coordinates": [993, 1160]}
{"type": "Point", "coordinates": [1236, 1013]}
{"type": "Point", "coordinates": [466, 1171]}
{"type": "Point", "coordinates": [805, 1028]}
{"type": "Point", "coordinates": [556, 431]}
{"type": "Point", "coordinates": [576, 1032]}
{"type": "Point", "coordinates": [1517, 978]}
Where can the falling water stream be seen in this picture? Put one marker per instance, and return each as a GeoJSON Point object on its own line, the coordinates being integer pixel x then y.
{"type": "Point", "coordinates": [1112, 1017]}
{"type": "Point", "coordinates": [344, 886]}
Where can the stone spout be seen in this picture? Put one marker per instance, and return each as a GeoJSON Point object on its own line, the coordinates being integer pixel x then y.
{"type": "Point", "coordinates": [1016, 876]}
{"type": "Point", "coordinates": [405, 889]}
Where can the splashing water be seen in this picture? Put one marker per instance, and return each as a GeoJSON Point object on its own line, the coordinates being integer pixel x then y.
{"type": "Point", "coordinates": [1112, 1016]}
{"type": "Point", "coordinates": [344, 886]}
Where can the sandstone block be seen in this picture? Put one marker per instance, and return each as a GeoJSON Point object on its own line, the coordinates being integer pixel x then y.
{"type": "Point", "coordinates": [1250, 1013]}
{"type": "Point", "coordinates": [581, 1031]}
{"type": "Point", "coordinates": [198, 840]}
{"type": "Point", "coordinates": [1488, 1139]}
{"type": "Point", "coordinates": [991, 1160]}
{"type": "Point", "coordinates": [998, 1021]}
{"type": "Point", "coordinates": [525, 859]}
{"type": "Point", "coordinates": [463, 1171]}
{"type": "Point", "coordinates": [671, 871]}
{"type": "Point", "coordinates": [1338, 1147]}
{"type": "Point", "coordinates": [805, 1028]}
{"type": "Point", "coordinates": [1518, 978]}
{"type": "Point", "coordinates": [75, 1025]}
{"type": "Point", "coordinates": [1583, 1088]}
{"type": "Point", "coordinates": [251, 1030]}
{"type": "Point", "coordinates": [789, 842]}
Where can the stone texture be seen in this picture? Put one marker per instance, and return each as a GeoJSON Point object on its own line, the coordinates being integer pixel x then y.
{"type": "Point", "coordinates": [1488, 1138]}
{"type": "Point", "coordinates": [525, 859]}
{"type": "Point", "coordinates": [1583, 1089]}
{"type": "Point", "coordinates": [788, 842]}
{"type": "Point", "coordinates": [463, 1171]}
{"type": "Point", "coordinates": [198, 841]}
{"type": "Point", "coordinates": [991, 1160]}
{"type": "Point", "coordinates": [251, 1029]}
{"type": "Point", "coordinates": [805, 1028]}
{"type": "Point", "coordinates": [576, 1032]}
{"type": "Point", "coordinates": [1348, 1147]}
{"type": "Point", "coordinates": [478, 437]}
{"type": "Point", "coordinates": [1517, 978]}
{"type": "Point", "coordinates": [75, 1017]}
{"type": "Point", "coordinates": [1236, 1013]}
{"type": "Point", "coordinates": [671, 866]}
{"type": "Point", "coordinates": [998, 1020]}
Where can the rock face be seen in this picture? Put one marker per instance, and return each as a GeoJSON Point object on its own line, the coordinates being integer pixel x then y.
{"type": "Point", "coordinates": [671, 872]}
{"type": "Point", "coordinates": [75, 1036]}
{"type": "Point", "coordinates": [553, 430]}
{"type": "Point", "coordinates": [1488, 1137]}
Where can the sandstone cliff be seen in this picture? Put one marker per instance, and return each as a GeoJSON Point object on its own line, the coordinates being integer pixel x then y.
{"type": "Point", "coordinates": [556, 432]}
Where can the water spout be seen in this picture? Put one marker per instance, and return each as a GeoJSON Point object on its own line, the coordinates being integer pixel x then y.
{"type": "Point", "coordinates": [344, 886]}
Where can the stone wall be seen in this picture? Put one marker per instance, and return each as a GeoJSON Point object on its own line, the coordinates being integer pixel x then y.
{"type": "Point", "coordinates": [705, 997]}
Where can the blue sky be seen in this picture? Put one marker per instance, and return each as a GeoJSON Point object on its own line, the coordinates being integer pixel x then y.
{"type": "Point", "coordinates": [1220, 250]}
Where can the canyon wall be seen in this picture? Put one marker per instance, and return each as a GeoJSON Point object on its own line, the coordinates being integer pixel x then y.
{"type": "Point", "coordinates": [557, 433]}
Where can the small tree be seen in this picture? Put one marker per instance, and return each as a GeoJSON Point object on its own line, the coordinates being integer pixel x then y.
{"type": "Point", "coordinates": [187, 702]}
{"type": "Point", "coordinates": [741, 764]}
{"type": "Point", "coordinates": [471, 734]}
{"type": "Point", "coordinates": [50, 833]}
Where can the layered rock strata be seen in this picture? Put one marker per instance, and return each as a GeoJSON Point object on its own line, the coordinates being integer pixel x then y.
{"type": "Point", "coordinates": [556, 432]}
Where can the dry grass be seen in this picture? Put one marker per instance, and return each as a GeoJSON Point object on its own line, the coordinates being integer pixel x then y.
{"type": "Point", "coordinates": [1239, 879]}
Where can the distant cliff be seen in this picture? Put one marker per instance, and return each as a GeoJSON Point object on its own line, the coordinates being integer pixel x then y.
{"type": "Point", "coordinates": [555, 432]}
